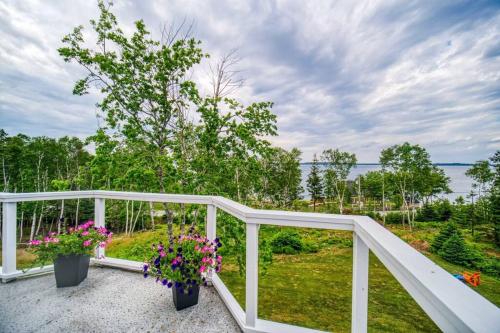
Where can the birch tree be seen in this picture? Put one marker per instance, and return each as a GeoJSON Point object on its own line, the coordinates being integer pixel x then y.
{"type": "Point", "coordinates": [338, 166]}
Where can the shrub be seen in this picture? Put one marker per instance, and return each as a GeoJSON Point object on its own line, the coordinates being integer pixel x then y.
{"type": "Point", "coordinates": [394, 218]}
{"type": "Point", "coordinates": [446, 232]}
{"type": "Point", "coordinates": [287, 242]}
{"type": "Point", "coordinates": [311, 247]}
{"type": "Point", "coordinates": [455, 251]}
{"type": "Point", "coordinates": [491, 266]}
{"type": "Point", "coordinates": [426, 214]}
{"type": "Point", "coordinates": [374, 215]}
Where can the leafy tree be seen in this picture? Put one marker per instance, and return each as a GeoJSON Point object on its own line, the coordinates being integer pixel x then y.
{"type": "Point", "coordinates": [413, 174]}
{"type": "Point", "coordinates": [142, 81]}
{"type": "Point", "coordinates": [481, 173]}
{"type": "Point", "coordinates": [314, 183]}
{"type": "Point", "coordinates": [281, 176]}
{"type": "Point", "coordinates": [147, 105]}
{"type": "Point", "coordinates": [338, 167]}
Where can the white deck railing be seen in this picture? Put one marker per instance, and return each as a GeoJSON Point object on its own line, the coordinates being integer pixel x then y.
{"type": "Point", "coordinates": [453, 306]}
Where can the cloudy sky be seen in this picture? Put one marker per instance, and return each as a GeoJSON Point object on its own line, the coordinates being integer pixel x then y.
{"type": "Point", "coordinates": [354, 75]}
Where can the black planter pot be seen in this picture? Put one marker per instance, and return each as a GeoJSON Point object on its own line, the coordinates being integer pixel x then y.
{"type": "Point", "coordinates": [71, 270]}
{"type": "Point", "coordinates": [182, 300]}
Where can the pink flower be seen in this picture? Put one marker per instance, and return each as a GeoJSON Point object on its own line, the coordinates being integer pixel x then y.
{"type": "Point", "coordinates": [35, 242]}
{"type": "Point", "coordinates": [55, 240]}
{"type": "Point", "coordinates": [89, 223]}
{"type": "Point", "coordinates": [219, 259]}
{"type": "Point", "coordinates": [102, 244]}
{"type": "Point", "coordinates": [87, 243]}
{"type": "Point", "coordinates": [174, 262]}
{"type": "Point", "coordinates": [202, 269]}
{"type": "Point", "coordinates": [46, 239]}
{"type": "Point", "coordinates": [162, 253]}
{"type": "Point", "coordinates": [85, 233]}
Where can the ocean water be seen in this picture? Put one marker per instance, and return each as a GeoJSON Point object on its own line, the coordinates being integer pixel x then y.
{"type": "Point", "coordinates": [460, 184]}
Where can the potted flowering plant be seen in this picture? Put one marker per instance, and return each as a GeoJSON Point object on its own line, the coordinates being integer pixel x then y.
{"type": "Point", "coordinates": [70, 252]}
{"type": "Point", "coordinates": [184, 266]}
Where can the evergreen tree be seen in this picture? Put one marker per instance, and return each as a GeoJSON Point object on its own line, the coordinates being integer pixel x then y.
{"type": "Point", "coordinates": [455, 250]}
{"type": "Point", "coordinates": [459, 214]}
{"type": "Point", "coordinates": [314, 183]}
{"type": "Point", "coordinates": [495, 197]}
{"type": "Point", "coordinates": [446, 232]}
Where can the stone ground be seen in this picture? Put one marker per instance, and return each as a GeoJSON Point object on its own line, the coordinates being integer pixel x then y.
{"type": "Point", "coordinates": [109, 300]}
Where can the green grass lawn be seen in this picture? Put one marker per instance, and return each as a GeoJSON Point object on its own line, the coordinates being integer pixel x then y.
{"type": "Point", "coordinates": [314, 289]}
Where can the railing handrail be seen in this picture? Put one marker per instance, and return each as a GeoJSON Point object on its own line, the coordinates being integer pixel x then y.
{"type": "Point", "coordinates": [453, 306]}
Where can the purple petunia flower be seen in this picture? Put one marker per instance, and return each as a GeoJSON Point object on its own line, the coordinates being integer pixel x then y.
{"type": "Point", "coordinates": [146, 275]}
{"type": "Point", "coordinates": [169, 284]}
{"type": "Point", "coordinates": [164, 282]}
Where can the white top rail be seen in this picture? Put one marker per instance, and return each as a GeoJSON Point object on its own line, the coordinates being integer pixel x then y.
{"type": "Point", "coordinates": [452, 305]}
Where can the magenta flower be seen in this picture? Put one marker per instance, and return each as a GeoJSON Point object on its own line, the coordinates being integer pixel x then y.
{"type": "Point", "coordinates": [202, 269]}
{"type": "Point", "coordinates": [87, 243]}
{"type": "Point", "coordinates": [85, 233]}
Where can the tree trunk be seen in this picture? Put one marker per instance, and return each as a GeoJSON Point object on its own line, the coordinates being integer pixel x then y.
{"type": "Point", "coordinates": [152, 214]}
{"type": "Point", "coordinates": [21, 226]}
{"type": "Point", "coordinates": [131, 219]}
{"type": "Point", "coordinates": [183, 218]}
{"type": "Point", "coordinates": [39, 220]}
{"type": "Point", "coordinates": [61, 217]}
{"type": "Point", "coordinates": [77, 212]}
{"type": "Point", "coordinates": [33, 223]}
{"type": "Point", "coordinates": [136, 217]}
{"type": "Point", "coordinates": [126, 220]}
{"type": "Point", "coordinates": [195, 218]}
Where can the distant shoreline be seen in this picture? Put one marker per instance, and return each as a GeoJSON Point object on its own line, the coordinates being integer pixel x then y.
{"type": "Point", "coordinates": [437, 164]}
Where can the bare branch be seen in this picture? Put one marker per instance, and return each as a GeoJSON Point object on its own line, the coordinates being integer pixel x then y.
{"type": "Point", "coordinates": [225, 80]}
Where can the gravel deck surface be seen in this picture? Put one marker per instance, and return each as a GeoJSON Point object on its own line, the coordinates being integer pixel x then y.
{"type": "Point", "coordinates": [109, 300]}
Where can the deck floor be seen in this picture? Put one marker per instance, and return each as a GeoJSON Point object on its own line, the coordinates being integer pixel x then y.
{"type": "Point", "coordinates": [109, 300]}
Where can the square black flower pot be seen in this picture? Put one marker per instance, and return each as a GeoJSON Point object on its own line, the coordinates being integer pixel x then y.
{"type": "Point", "coordinates": [71, 270]}
{"type": "Point", "coordinates": [182, 300]}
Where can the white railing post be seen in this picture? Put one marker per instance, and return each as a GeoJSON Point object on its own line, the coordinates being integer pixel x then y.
{"type": "Point", "coordinates": [211, 226]}
{"type": "Point", "coordinates": [9, 225]}
{"type": "Point", "coordinates": [252, 273]}
{"type": "Point", "coordinates": [100, 221]}
{"type": "Point", "coordinates": [360, 250]}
